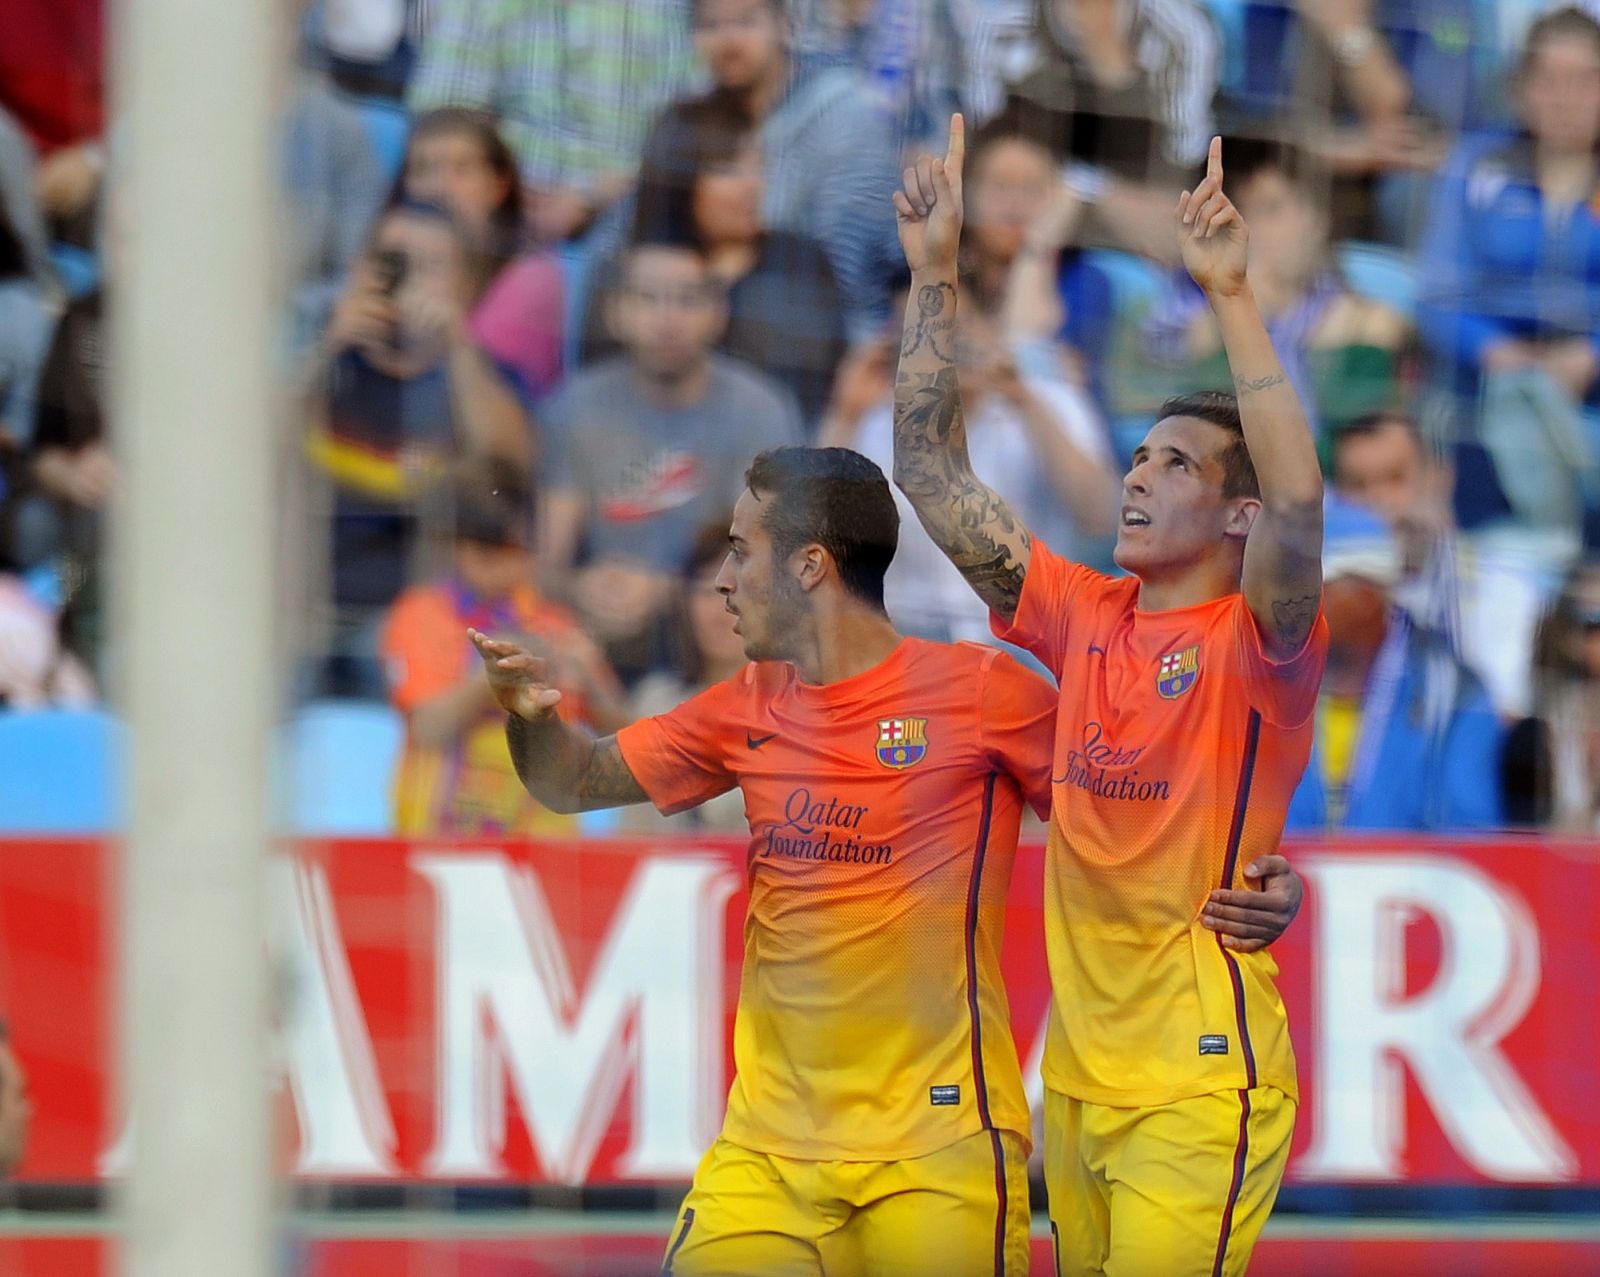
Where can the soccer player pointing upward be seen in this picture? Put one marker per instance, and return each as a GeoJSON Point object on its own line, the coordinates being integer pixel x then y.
{"type": "Point", "coordinates": [876, 1124]}
{"type": "Point", "coordinates": [1183, 726]}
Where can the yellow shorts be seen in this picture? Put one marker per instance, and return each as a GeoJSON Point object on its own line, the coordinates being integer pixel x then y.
{"type": "Point", "coordinates": [960, 1212]}
{"type": "Point", "coordinates": [1178, 1190]}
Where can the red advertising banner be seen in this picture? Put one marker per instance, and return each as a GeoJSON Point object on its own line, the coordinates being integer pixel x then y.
{"type": "Point", "coordinates": [562, 1012]}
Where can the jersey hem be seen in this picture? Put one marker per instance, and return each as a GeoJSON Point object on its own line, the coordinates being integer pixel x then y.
{"type": "Point", "coordinates": [1113, 1097]}
{"type": "Point", "coordinates": [826, 1152]}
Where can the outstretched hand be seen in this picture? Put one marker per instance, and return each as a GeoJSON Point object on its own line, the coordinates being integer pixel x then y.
{"type": "Point", "coordinates": [519, 679]}
{"type": "Point", "coordinates": [928, 207]}
{"type": "Point", "coordinates": [1252, 919]}
{"type": "Point", "coordinates": [1212, 234]}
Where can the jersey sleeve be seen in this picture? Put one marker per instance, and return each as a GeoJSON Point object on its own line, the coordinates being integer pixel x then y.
{"type": "Point", "coordinates": [1284, 691]}
{"type": "Point", "coordinates": [1016, 725]}
{"type": "Point", "coordinates": [1052, 589]}
{"type": "Point", "coordinates": [422, 648]}
{"type": "Point", "coordinates": [678, 757]}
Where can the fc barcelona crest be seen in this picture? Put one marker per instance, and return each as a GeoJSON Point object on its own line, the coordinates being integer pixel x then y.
{"type": "Point", "coordinates": [902, 741]}
{"type": "Point", "coordinates": [1178, 671]}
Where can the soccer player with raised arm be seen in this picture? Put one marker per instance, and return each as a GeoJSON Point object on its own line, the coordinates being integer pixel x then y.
{"type": "Point", "coordinates": [1184, 723]}
{"type": "Point", "coordinates": [876, 1123]}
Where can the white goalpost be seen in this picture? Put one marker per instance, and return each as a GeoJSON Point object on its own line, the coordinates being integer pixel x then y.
{"type": "Point", "coordinates": [190, 234]}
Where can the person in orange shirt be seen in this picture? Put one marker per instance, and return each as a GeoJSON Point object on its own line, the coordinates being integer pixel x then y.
{"type": "Point", "coordinates": [1184, 724]}
{"type": "Point", "coordinates": [877, 1122]}
{"type": "Point", "coordinates": [454, 775]}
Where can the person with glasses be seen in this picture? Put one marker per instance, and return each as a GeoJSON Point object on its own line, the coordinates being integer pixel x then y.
{"type": "Point", "coordinates": [643, 447]}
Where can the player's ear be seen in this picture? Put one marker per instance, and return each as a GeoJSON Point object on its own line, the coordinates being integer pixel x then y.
{"type": "Point", "coordinates": [811, 566]}
{"type": "Point", "coordinates": [1242, 514]}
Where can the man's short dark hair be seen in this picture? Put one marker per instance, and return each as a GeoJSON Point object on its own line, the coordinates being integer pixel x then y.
{"type": "Point", "coordinates": [779, 7]}
{"type": "Point", "coordinates": [1220, 409]}
{"type": "Point", "coordinates": [835, 498]}
{"type": "Point", "coordinates": [1246, 158]}
{"type": "Point", "coordinates": [494, 502]}
{"type": "Point", "coordinates": [1372, 423]}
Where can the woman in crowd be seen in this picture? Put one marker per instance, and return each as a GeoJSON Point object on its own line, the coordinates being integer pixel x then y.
{"type": "Point", "coordinates": [1342, 351]}
{"type": "Point", "coordinates": [402, 392]}
{"type": "Point", "coordinates": [456, 158]}
{"type": "Point", "coordinates": [1552, 761]}
{"type": "Point", "coordinates": [1018, 261]}
{"type": "Point", "coordinates": [704, 187]}
{"type": "Point", "coordinates": [711, 652]}
{"type": "Point", "coordinates": [1510, 267]}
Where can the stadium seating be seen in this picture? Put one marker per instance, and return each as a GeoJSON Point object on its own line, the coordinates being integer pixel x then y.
{"type": "Point", "coordinates": [60, 772]}
{"type": "Point", "coordinates": [1381, 274]}
{"type": "Point", "coordinates": [387, 127]}
{"type": "Point", "coordinates": [336, 768]}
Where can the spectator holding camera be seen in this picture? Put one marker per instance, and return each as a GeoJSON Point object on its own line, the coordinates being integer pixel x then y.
{"type": "Point", "coordinates": [644, 447]}
{"type": "Point", "coordinates": [457, 159]}
{"type": "Point", "coordinates": [456, 776]}
{"type": "Point", "coordinates": [401, 392]}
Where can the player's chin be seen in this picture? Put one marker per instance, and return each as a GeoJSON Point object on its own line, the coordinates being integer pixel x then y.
{"type": "Point", "coordinates": [1128, 554]}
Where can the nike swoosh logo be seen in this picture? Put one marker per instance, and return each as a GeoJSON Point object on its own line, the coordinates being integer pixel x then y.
{"type": "Point", "coordinates": [756, 742]}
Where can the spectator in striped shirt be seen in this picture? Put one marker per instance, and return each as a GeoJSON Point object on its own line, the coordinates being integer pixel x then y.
{"type": "Point", "coordinates": [828, 140]}
{"type": "Point", "coordinates": [1123, 89]}
{"type": "Point", "coordinates": [574, 85]}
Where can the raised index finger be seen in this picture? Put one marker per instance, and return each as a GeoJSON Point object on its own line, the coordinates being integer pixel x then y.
{"type": "Point", "coordinates": [956, 152]}
{"type": "Point", "coordinates": [1214, 159]}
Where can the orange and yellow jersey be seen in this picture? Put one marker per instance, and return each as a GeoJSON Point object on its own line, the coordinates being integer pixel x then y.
{"type": "Point", "coordinates": [883, 809]}
{"type": "Point", "coordinates": [1178, 743]}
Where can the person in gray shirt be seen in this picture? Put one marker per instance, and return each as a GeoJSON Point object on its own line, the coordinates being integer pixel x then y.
{"type": "Point", "coordinates": [641, 449]}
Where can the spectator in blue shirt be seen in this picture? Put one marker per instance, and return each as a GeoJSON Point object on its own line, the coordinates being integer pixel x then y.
{"type": "Point", "coordinates": [1511, 266]}
{"type": "Point", "coordinates": [1405, 735]}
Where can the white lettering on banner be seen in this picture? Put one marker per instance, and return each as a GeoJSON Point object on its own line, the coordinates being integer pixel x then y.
{"type": "Point", "coordinates": [1448, 1034]}
{"type": "Point", "coordinates": [322, 1048]}
{"type": "Point", "coordinates": [326, 1051]}
{"type": "Point", "coordinates": [508, 1009]}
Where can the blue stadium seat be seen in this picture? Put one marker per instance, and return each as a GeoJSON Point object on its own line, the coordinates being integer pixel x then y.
{"type": "Point", "coordinates": [388, 127]}
{"type": "Point", "coordinates": [1382, 274]}
{"type": "Point", "coordinates": [77, 268]}
{"type": "Point", "coordinates": [338, 764]}
{"type": "Point", "coordinates": [60, 772]}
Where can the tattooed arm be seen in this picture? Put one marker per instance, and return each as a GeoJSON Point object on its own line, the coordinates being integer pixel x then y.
{"type": "Point", "coordinates": [972, 524]}
{"type": "Point", "coordinates": [565, 768]}
{"type": "Point", "coordinates": [1282, 580]}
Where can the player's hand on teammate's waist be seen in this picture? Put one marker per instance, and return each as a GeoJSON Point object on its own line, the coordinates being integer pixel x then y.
{"type": "Point", "coordinates": [1252, 919]}
{"type": "Point", "coordinates": [519, 679]}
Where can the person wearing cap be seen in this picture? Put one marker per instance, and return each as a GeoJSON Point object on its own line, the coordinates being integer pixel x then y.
{"type": "Point", "coordinates": [1406, 737]}
{"type": "Point", "coordinates": [455, 775]}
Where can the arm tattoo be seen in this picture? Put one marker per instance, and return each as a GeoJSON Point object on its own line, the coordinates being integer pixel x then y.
{"type": "Point", "coordinates": [1248, 386]}
{"type": "Point", "coordinates": [1292, 619]}
{"type": "Point", "coordinates": [567, 770]}
{"type": "Point", "coordinates": [932, 325]}
{"type": "Point", "coordinates": [607, 780]}
{"type": "Point", "coordinates": [967, 519]}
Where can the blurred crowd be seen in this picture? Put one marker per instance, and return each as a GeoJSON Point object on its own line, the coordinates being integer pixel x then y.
{"type": "Point", "coordinates": [556, 270]}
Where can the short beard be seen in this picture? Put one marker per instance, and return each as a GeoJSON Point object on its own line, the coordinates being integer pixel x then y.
{"type": "Point", "coordinates": [786, 617]}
